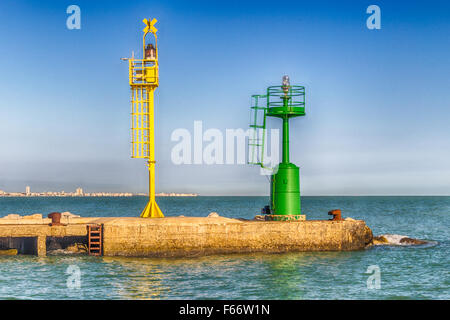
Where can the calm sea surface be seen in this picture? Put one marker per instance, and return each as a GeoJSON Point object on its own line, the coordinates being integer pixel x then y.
{"type": "Point", "coordinates": [406, 272]}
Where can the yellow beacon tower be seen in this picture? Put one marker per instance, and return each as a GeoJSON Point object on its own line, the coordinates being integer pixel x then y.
{"type": "Point", "coordinates": [143, 74]}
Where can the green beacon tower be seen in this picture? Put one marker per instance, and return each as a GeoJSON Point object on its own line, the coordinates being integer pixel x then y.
{"type": "Point", "coordinates": [284, 102]}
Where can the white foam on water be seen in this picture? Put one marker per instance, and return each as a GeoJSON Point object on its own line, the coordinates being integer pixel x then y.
{"type": "Point", "coordinates": [394, 238]}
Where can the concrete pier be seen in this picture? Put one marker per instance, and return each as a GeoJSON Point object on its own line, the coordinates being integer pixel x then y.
{"type": "Point", "coordinates": [192, 236]}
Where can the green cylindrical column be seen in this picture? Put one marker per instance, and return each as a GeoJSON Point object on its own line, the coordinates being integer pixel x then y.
{"type": "Point", "coordinates": [285, 190]}
{"type": "Point", "coordinates": [285, 158]}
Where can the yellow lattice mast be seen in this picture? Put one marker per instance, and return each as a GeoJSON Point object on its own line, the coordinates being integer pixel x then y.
{"type": "Point", "coordinates": [143, 74]}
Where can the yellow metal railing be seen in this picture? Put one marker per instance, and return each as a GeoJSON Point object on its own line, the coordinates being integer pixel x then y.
{"type": "Point", "coordinates": [143, 71]}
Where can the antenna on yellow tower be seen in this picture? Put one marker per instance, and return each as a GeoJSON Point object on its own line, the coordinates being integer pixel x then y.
{"type": "Point", "coordinates": [143, 75]}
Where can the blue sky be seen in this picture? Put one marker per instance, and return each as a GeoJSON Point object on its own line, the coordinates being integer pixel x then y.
{"type": "Point", "coordinates": [378, 106]}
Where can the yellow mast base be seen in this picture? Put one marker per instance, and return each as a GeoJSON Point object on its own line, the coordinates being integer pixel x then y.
{"type": "Point", "coordinates": [152, 211]}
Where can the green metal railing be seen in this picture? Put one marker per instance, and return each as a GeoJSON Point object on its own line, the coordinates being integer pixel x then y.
{"type": "Point", "coordinates": [275, 95]}
{"type": "Point", "coordinates": [279, 102]}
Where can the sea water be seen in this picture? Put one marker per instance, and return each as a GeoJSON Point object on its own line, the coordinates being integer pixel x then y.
{"type": "Point", "coordinates": [380, 272]}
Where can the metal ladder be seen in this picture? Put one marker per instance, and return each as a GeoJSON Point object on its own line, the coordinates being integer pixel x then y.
{"type": "Point", "coordinates": [95, 239]}
{"type": "Point", "coordinates": [258, 123]}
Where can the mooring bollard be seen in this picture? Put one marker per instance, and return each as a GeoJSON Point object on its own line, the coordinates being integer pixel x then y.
{"type": "Point", "coordinates": [336, 213]}
{"type": "Point", "coordinates": [56, 219]}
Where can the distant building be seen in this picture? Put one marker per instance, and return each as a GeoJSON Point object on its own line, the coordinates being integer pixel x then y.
{"type": "Point", "coordinates": [79, 192]}
{"type": "Point", "coordinates": [27, 191]}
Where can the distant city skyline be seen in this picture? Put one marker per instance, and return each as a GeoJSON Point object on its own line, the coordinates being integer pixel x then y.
{"type": "Point", "coordinates": [80, 193]}
{"type": "Point", "coordinates": [377, 100]}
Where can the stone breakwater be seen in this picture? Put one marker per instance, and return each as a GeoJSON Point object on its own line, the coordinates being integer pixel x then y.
{"type": "Point", "coordinates": [184, 236]}
{"type": "Point", "coordinates": [171, 237]}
